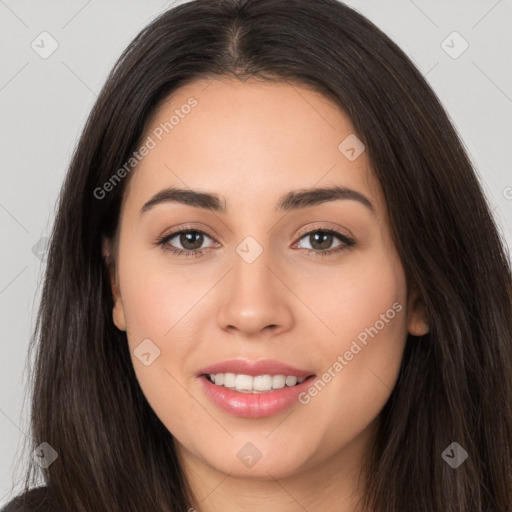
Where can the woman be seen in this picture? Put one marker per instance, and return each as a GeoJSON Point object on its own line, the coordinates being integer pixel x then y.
{"type": "Point", "coordinates": [194, 353]}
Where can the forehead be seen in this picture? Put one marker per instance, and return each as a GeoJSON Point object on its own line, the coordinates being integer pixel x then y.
{"type": "Point", "coordinates": [248, 141]}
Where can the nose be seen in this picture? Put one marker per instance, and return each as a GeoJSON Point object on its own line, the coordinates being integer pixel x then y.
{"type": "Point", "coordinates": [256, 300]}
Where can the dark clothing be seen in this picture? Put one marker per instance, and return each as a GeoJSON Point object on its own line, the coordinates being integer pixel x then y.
{"type": "Point", "coordinates": [35, 500]}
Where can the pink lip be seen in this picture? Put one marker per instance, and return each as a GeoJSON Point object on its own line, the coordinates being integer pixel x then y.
{"type": "Point", "coordinates": [253, 368]}
{"type": "Point", "coordinates": [253, 405]}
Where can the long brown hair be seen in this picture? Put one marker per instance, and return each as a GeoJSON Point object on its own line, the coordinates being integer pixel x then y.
{"type": "Point", "coordinates": [455, 384]}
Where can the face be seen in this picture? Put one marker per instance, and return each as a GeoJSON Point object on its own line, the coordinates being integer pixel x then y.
{"type": "Point", "coordinates": [247, 278]}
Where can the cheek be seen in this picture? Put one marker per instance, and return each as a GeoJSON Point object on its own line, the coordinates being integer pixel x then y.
{"type": "Point", "coordinates": [161, 300]}
{"type": "Point", "coordinates": [162, 303]}
{"type": "Point", "coordinates": [368, 294]}
{"type": "Point", "coordinates": [363, 361]}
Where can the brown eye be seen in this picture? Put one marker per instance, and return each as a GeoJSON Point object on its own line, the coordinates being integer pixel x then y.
{"type": "Point", "coordinates": [321, 241]}
{"type": "Point", "coordinates": [191, 240]}
{"type": "Point", "coordinates": [187, 242]}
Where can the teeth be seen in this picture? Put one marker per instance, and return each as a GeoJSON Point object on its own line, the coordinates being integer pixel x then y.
{"type": "Point", "coordinates": [244, 383]}
{"type": "Point", "coordinates": [229, 380]}
{"type": "Point", "coordinates": [262, 383]}
{"type": "Point", "coordinates": [250, 384]}
{"type": "Point", "coordinates": [278, 381]}
{"type": "Point", "coordinates": [291, 380]}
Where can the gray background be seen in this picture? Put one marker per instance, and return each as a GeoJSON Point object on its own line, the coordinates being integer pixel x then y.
{"type": "Point", "coordinates": [44, 104]}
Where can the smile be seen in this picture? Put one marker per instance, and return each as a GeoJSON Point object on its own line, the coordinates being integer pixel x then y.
{"type": "Point", "coordinates": [253, 389]}
{"type": "Point", "coordinates": [249, 384]}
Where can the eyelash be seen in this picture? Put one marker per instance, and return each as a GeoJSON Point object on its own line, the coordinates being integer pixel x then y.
{"type": "Point", "coordinates": [347, 242]}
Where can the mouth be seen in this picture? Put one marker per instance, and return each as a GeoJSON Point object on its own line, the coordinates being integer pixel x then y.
{"type": "Point", "coordinates": [253, 389]}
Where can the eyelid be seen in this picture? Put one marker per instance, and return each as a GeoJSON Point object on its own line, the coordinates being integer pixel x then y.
{"type": "Point", "coordinates": [186, 227]}
{"type": "Point", "coordinates": [334, 227]}
{"type": "Point", "coordinates": [303, 231]}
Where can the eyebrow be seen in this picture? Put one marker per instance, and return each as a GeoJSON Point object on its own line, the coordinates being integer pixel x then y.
{"type": "Point", "coordinates": [293, 200]}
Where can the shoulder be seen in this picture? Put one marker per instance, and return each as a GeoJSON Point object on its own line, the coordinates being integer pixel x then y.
{"type": "Point", "coordinates": [35, 500]}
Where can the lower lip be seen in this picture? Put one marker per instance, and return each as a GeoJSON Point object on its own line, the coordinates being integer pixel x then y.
{"type": "Point", "coordinates": [253, 405]}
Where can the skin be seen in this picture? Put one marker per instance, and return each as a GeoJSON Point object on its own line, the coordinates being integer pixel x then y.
{"type": "Point", "coordinates": [251, 143]}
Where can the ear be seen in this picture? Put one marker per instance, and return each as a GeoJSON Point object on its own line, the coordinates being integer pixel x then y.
{"type": "Point", "coordinates": [118, 316]}
{"type": "Point", "coordinates": [417, 317]}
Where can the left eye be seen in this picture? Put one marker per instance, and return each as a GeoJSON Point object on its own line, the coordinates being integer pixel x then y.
{"type": "Point", "coordinates": [322, 240]}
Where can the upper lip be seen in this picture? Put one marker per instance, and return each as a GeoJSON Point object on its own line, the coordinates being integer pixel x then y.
{"type": "Point", "coordinates": [253, 368]}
